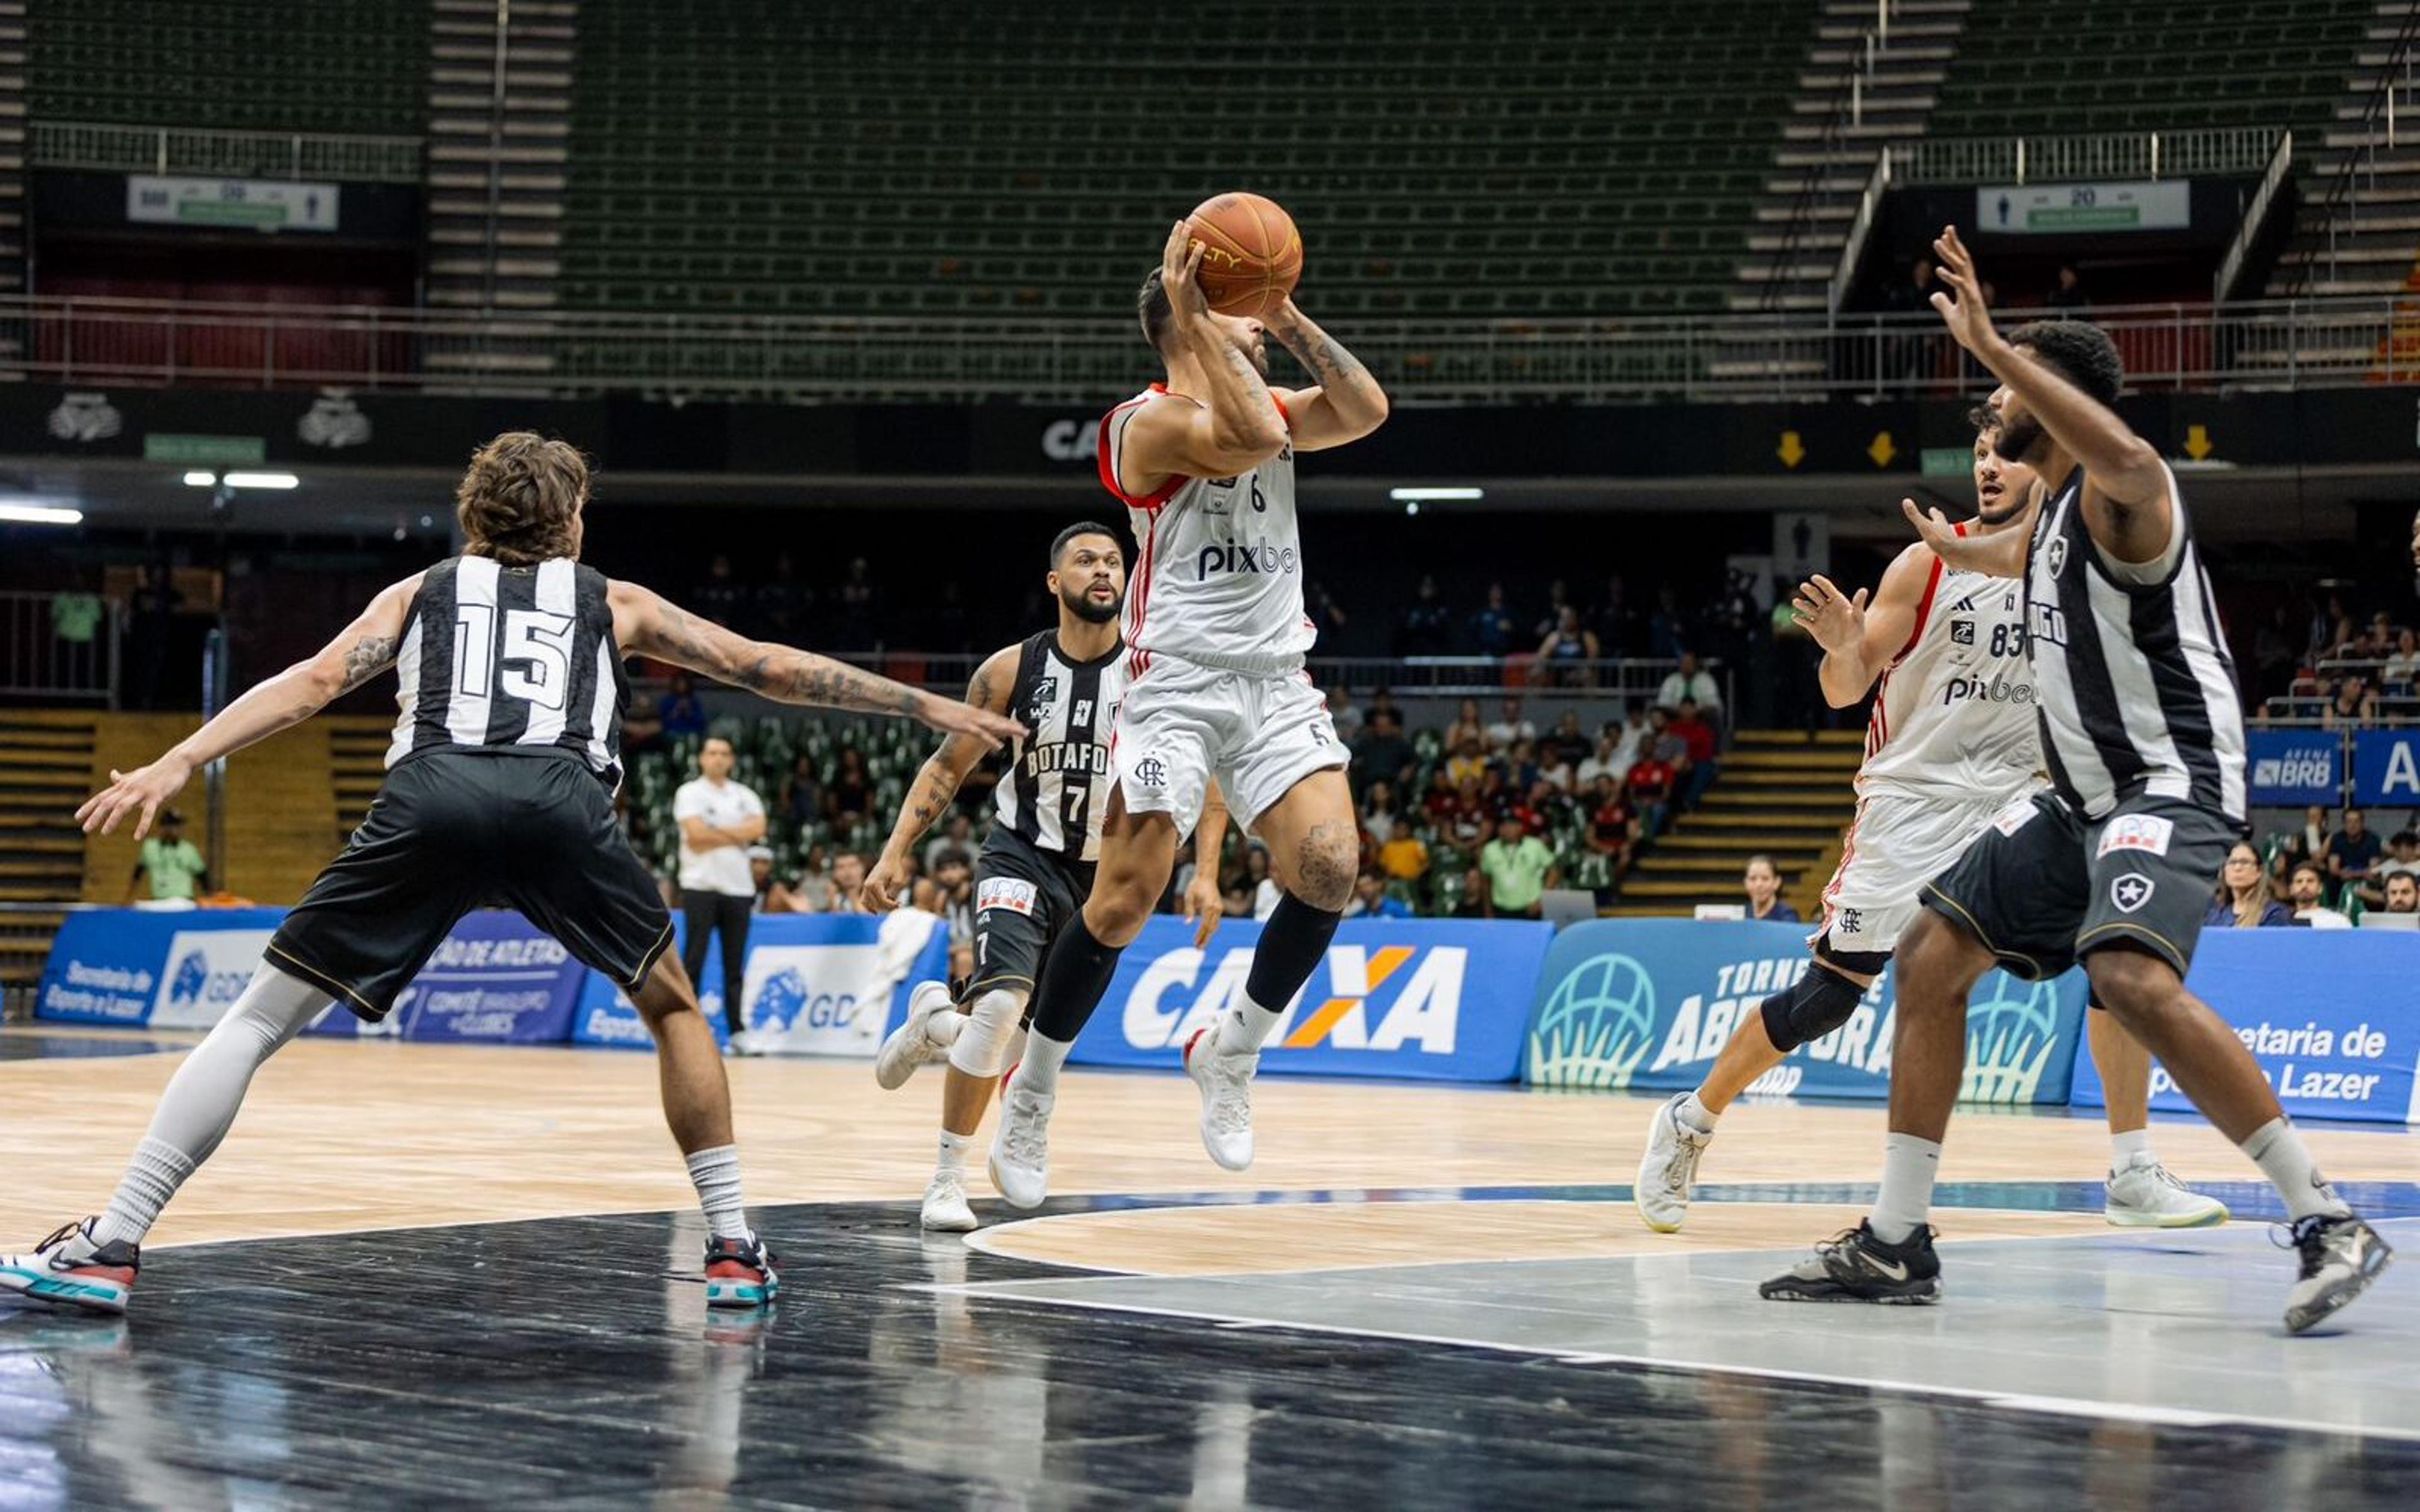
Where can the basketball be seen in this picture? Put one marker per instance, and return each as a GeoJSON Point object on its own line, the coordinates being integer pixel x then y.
{"type": "Point", "coordinates": [1251, 253]}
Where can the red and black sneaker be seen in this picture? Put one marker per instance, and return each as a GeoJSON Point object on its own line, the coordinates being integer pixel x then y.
{"type": "Point", "coordinates": [739, 1274]}
{"type": "Point", "coordinates": [69, 1269]}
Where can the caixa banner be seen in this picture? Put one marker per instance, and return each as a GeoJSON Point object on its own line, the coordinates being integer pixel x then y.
{"type": "Point", "coordinates": [1645, 1005]}
{"type": "Point", "coordinates": [2332, 1016]}
{"type": "Point", "coordinates": [1434, 999]}
{"type": "Point", "coordinates": [817, 984]}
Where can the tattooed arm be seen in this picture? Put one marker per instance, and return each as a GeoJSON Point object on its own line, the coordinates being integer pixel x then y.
{"type": "Point", "coordinates": [648, 625]}
{"type": "Point", "coordinates": [360, 652]}
{"type": "Point", "coordinates": [936, 783]}
{"type": "Point", "coordinates": [1231, 426]}
{"type": "Point", "coordinates": [1348, 405]}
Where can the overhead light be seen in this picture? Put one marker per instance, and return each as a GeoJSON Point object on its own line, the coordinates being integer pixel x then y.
{"type": "Point", "coordinates": [1414, 496]}
{"type": "Point", "coordinates": [41, 515]}
{"type": "Point", "coordinates": [201, 480]}
{"type": "Point", "coordinates": [260, 480]}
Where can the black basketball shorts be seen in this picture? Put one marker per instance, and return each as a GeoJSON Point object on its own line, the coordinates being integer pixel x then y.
{"type": "Point", "coordinates": [2045, 887]}
{"type": "Point", "coordinates": [1024, 896]}
{"type": "Point", "coordinates": [453, 831]}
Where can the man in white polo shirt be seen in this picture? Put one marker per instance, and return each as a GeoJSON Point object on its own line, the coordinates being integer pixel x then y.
{"type": "Point", "coordinates": [718, 820]}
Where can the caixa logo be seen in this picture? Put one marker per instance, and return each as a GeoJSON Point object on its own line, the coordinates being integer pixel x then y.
{"type": "Point", "coordinates": [788, 1001]}
{"type": "Point", "coordinates": [1071, 440]}
{"type": "Point", "coordinates": [1394, 998]}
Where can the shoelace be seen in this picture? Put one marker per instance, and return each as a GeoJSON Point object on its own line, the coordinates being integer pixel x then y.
{"type": "Point", "coordinates": [2308, 1235]}
{"type": "Point", "coordinates": [61, 1234]}
{"type": "Point", "coordinates": [1230, 1098]}
{"type": "Point", "coordinates": [1025, 1135]}
{"type": "Point", "coordinates": [1682, 1170]}
{"type": "Point", "coordinates": [949, 1183]}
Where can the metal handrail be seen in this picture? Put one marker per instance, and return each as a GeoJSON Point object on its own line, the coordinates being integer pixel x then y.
{"type": "Point", "coordinates": [1847, 106]}
{"type": "Point", "coordinates": [1853, 247]}
{"type": "Point", "coordinates": [2105, 155]}
{"type": "Point", "coordinates": [2340, 194]}
{"type": "Point", "coordinates": [176, 150]}
{"type": "Point", "coordinates": [2256, 218]}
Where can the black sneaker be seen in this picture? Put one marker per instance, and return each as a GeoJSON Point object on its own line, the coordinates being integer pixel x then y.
{"type": "Point", "coordinates": [2341, 1256]}
{"type": "Point", "coordinates": [1857, 1267]}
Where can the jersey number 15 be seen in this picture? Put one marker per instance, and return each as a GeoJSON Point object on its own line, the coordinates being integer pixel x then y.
{"type": "Point", "coordinates": [535, 657]}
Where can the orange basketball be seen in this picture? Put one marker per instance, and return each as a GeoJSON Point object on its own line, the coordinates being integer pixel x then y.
{"type": "Point", "coordinates": [1252, 255]}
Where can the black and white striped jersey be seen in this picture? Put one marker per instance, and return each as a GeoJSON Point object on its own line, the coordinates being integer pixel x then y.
{"type": "Point", "coordinates": [1057, 786]}
{"type": "Point", "coordinates": [497, 658]}
{"type": "Point", "coordinates": [2137, 691]}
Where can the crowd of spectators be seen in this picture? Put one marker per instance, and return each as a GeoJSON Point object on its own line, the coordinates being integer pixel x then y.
{"type": "Point", "coordinates": [2320, 874]}
{"type": "Point", "coordinates": [1560, 630]}
{"type": "Point", "coordinates": [2316, 660]}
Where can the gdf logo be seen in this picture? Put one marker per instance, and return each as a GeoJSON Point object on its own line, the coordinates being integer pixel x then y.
{"type": "Point", "coordinates": [1071, 440]}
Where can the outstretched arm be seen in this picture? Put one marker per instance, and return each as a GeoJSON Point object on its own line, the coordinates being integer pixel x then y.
{"type": "Point", "coordinates": [937, 782]}
{"type": "Point", "coordinates": [648, 625]}
{"type": "Point", "coordinates": [360, 652]}
{"type": "Point", "coordinates": [1860, 640]}
{"type": "Point", "coordinates": [1203, 903]}
{"type": "Point", "coordinates": [1348, 405]}
{"type": "Point", "coordinates": [2000, 554]}
{"type": "Point", "coordinates": [2126, 484]}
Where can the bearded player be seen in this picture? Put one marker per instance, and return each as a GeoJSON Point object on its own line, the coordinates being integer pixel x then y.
{"type": "Point", "coordinates": [1035, 869]}
{"type": "Point", "coordinates": [1216, 637]}
{"type": "Point", "coordinates": [1950, 744]}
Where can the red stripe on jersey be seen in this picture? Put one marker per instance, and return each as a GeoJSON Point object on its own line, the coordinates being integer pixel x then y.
{"type": "Point", "coordinates": [1848, 853]}
{"type": "Point", "coordinates": [1923, 609]}
{"type": "Point", "coordinates": [1109, 468]}
{"type": "Point", "coordinates": [1283, 413]}
{"type": "Point", "coordinates": [1139, 600]}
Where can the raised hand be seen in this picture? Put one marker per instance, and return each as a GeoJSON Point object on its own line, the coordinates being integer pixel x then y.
{"type": "Point", "coordinates": [145, 788]}
{"type": "Point", "coordinates": [1179, 262]}
{"type": "Point", "coordinates": [1962, 304]}
{"type": "Point", "coordinates": [1835, 619]}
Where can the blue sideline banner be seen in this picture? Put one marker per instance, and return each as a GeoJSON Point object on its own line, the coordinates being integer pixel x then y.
{"type": "Point", "coordinates": [819, 984]}
{"type": "Point", "coordinates": [2332, 1016]}
{"type": "Point", "coordinates": [2386, 768]}
{"type": "Point", "coordinates": [1645, 1005]}
{"type": "Point", "coordinates": [2290, 768]}
{"type": "Point", "coordinates": [497, 978]}
{"type": "Point", "coordinates": [1434, 999]}
{"type": "Point", "coordinates": [177, 968]}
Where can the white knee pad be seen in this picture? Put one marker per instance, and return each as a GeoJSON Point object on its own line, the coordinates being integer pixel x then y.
{"type": "Point", "coordinates": [982, 1047]}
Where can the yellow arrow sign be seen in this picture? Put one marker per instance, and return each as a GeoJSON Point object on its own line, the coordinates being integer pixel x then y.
{"type": "Point", "coordinates": [1881, 451]}
{"type": "Point", "coordinates": [1793, 451]}
{"type": "Point", "coordinates": [2197, 443]}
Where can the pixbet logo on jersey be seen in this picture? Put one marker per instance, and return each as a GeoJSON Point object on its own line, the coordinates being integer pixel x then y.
{"type": "Point", "coordinates": [1394, 997]}
{"type": "Point", "coordinates": [1236, 557]}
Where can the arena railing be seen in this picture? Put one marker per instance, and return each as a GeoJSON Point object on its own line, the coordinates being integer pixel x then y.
{"type": "Point", "coordinates": [2099, 157]}
{"type": "Point", "coordinates": [2334, 342]}
{"type": "Point", "coordinates": [169, 149]}
{"type": "Point", "coordinates": [48, 653]}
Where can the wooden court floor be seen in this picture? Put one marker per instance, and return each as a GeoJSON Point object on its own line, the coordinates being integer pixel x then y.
{"type": "Point", "coordinates": [340, 1137]}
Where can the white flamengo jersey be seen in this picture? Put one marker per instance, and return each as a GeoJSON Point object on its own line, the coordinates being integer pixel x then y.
{"type": "Point", "coordinates": [1218, 575]}
{"type": "Point", "coordinates": [1955, 715]}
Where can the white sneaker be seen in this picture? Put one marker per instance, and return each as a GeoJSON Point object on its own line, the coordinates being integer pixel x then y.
{"type": "Point", "coordinates": [1226, 1083]}
{"type": "Point", "coordinates": [1668, 1169]}
{"type": "Point", "coordinates": [1020, 1147]}
{"type": "Point", "coordinates": [945, 1205]}
{"type": "Point", "coordinates": [908, 1046]}
{"type": "Point", "coordinates": [2145, 1196]}
{"type": "Point", "coordinates": [68, 1268]}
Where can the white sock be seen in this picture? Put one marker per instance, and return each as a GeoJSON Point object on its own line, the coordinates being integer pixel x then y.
{"type": "Point", "coordinates": [715, 1173]}
{"type": "Point", "coordinates": [1242, 1027]}
{"type": "Point", "coordinates": [954, 1151]}
{"type": "Point", "coordinates": [2282, 1156]}
{"type": "Point", "coordinates": [1038, 1071]}
{"type": "Point", "coordinates": [2123, 1147]}
{"type": "Point", "coordinates": [150, 1180]}
{"type": "Point", "coordinates": [942, 1028]}
{"type": "Point", "coordinates": [1696, 1115]}
{"type": "Point", "coordinates": [1909, 1165]}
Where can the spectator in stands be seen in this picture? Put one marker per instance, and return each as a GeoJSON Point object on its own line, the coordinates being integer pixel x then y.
{"type": "Point", "coordinates": [2353, 856]}
{"type": "Point", "coordinates": [1615, 622]}
{"type": "Point", "coordinates": [1379, 810]}
{"type": "Point", "coordinates": [1443, 793]}
{"type": "Point", "coordinates": [1558, 598]}
{"type": "Point", "coordinates": [1666, 629]}
{"type": "Point", "coordinates": [1762, 881]}
{"type": "Point", "coordinates": [1691, 684]}
{"type": "Point", "coordinates": [1427, 627]}
{"type": "Point", "coordinates": [1568, 653]}
{"type": "Point", "coordinates": [1264, 892]}
{"type": "Point", "coordinates": [1468, 764]}
{"type": "Point", "coordinates": [2402, 855]}
{"type": "Point", "coordinates": [168, 868]}
{"type": "Point", "coordinates": [1698, 737]}
{"type": "Point", "coordinates": [1511, 726]}
{"type": "Point", "coordinates": [2353, 705]}
{"type": "Point", "coordinates": [1492, 628]}
{"type": "Point", "coordinates": [813, 892]}
{"type": "Point", "coordinates": [1343, 713]}
{"type": "Point", "coordinates": [1519, 868]}
{"type": "Point", "coordinates": [1613, 825]}
{"type": "Point", "coordinates": [2403, 893]}
{"type": "Point", "coordinates": [679, 713]}
{"type": "Point", "coordinates": [860, 607]}
{"type": "Point", "coordinates": [2272, 655]}
{"type": "Point", "coordinates": [1370, 899]}
{"type": "Point", "coordinates": [1550, 806]}
{"type": "Point", "coordinates": [803, 792]}
{"type": "Point", "coordinates": [781, 603]}
{"type": "Point", "coordinates": [2310, 843]}
{"type": "Point", "coordinates": [847, 881]}
{"type": "Point", "coordinates": [949, 894]}
{"type": "Point", "coordinates": [1467, 821]}
{"type": "Point", "coordinates": [848, 801]}
{"type": "Point", "coordinates": [1466, 726]}
{"type": "Point", "coordinates": [1382, 754]}
{"type": "Point", "coordinates": [1650, 786]}
{"type": "Point", "coordinates": [718, 819]}
{"type": "Point", "coordinates": [2244, 901]}
{"type": "Point", "coordinates": [1606, 761]}
{"type": "Point", "coordinates": [958, 835]}
{"type": "Point", "coordinates": [1404, 858]}
{"type": "Point", "coordinates": [1665, 744]}
{"type": "Point", "coordinates": [1567, 744]}
{"type": "Point", "coordinates": [773, 895]}
{"type": "Point", "coordinates": [1521, 768]}
{"type": "Point", "coordinates": [2068, 293]}
{"type": "Point", "coordinates": [720, 598]}
{"type": "Point", "coordinates": [2309, 893]}
{"type": "Point", "coordinates": [2400, 677]}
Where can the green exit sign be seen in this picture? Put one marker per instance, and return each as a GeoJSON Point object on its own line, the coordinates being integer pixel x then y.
{"type": "Point", "coordinates": [1948, 461]}
{"type": "Point", "coordinates": [164, 446]}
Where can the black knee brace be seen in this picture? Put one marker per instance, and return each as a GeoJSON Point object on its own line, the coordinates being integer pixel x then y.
{"type": "Point", "coordinates": [1820, 1001]}
{"type": "Point", "coordinates": [1862, 963]}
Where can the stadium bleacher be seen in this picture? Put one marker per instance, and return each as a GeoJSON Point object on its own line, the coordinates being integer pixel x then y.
{"type": "Point", "coordinates": [1534, 163]}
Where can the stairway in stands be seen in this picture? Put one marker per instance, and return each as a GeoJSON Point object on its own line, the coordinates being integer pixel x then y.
{"type": "Point", "coordinates": [357, 760]}
{"type": "Point", "coordinates": [45, 771]}
{"type": "Point", "coordinates": [1781, 794]}
{"type": "Point", "coordinates": [2358, 231]}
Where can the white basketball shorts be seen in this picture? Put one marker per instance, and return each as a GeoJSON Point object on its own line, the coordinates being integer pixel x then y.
{"type": "Point", "coordinates": [1183, 724]}
{"type": "Point", "coordinates": [1897, 844]}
